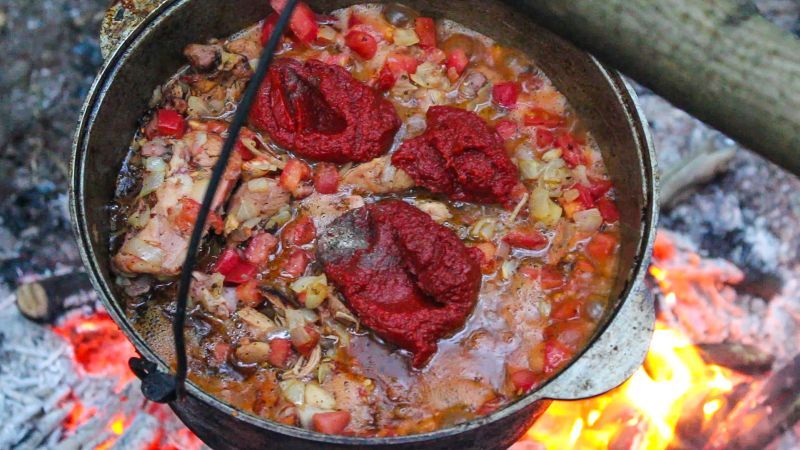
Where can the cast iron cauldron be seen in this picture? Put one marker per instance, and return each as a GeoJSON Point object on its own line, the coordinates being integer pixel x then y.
{"type": "Point", "coordinates": [153, 52]}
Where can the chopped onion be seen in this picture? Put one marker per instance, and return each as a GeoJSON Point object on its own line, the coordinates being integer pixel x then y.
{"type": "Point", "coordinates": [551, 155]}
{"type": "Point", "coordinates": [484, 228]}
{"type": "Point", "coordinates": [140, 218]}
{"type": "Point", "coordinates": [542, 208]}
{"type": "Point", "coordinates": [246, 210]}
{"type": "Point", "coordinates": [429, 75]}
{"type": "Point", "coordinates": [316, 396]}
{"type": "Point", "coordinates": [326, 33]}
{"type": "Point", "coordinates": [509, 268]}
{"type": "Point", "coordinates": [571, 194]}
{"type": "Point", "coordinates": [151, 182]}
{"type": "Point", "coordinates": [144, 251]}
{"type": "Point", "coordinates": [258, 185]}
{"type": "Point", "coordinates": [196, 107]}
{"type": "Point", "coordinates": [323, 371]}
{"type": "Point", "coordinates": [313, 288]}
{"type": "Point", "coordinates": [294, 391]}
{"type": "Point", "coordinates": [405, 37]}
{"type": "Point", "coordinates": [531, 169]}
{"type": "Point", "coordinates": [580, 174]}
{"type": "Point", "coordinates": [155, 164]}
{"type": "Point", "coordinates": [280, 218]}
{"type": "Point", "coordinates": [588, 220]}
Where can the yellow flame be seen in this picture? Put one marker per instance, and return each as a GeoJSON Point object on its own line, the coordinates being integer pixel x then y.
{"type": "Point", "coordinates": [710, 408]}
{"type": "Point", "coordinates": [651, 401]}
{"type": "Point", "coordinates": [659, 274]}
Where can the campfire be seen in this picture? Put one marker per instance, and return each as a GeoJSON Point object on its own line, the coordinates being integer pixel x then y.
{"type": "Point", "coordinates": [691, 393]}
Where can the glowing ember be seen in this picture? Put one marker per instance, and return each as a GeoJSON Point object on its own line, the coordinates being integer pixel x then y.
{"type": "Point", "coordinates": [98, 345]}
{"type": "Point", "coordinates": [100, 349]}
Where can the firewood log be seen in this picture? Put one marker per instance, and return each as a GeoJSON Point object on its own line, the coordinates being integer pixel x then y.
{"type": "Point", "coordinates": [719, 60]}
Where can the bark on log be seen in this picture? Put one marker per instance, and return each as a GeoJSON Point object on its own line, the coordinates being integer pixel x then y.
{"type": "Point", "coordinates": [719, 60]}
{"type": "Point", "coordinates": [762, 415]}
{"type": "Point", "coordinates": [44, 300]}
{"type": "Point", "coordinates": [742, 358]}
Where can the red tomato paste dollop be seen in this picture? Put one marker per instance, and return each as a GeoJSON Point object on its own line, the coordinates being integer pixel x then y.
{"type": "Point", "coordinates": [321, 112]}
{"type": "Point", "coordinates": [459, 156]}
{"type": "Point", "coordinates": [408, 278]}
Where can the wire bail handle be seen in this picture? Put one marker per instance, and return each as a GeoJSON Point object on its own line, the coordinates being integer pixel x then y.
{"type": "Point", "coordinates": [162, 387]}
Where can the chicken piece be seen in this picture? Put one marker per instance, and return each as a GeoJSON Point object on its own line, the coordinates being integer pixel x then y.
{"type": "Point", "coordinates": [258, 325]}
{"type": "Point", "coordinates": [159, 247]}
{"type": "Point", "coordinates": [351, 395]}
{"type": "Point", "coordinates": [247, 46]}
{"type": "Point", "coordinates": [210, 293]}
{"type": "Point", "coordinates": [202, 57]}
{"type": "Point", "coordinates": [253, 201]}
{"type": "Point", "coordinates": [378, 176]}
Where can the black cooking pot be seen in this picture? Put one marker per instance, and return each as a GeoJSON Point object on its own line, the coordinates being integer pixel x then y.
{"type": "Point", "coordinates": [153, 52]}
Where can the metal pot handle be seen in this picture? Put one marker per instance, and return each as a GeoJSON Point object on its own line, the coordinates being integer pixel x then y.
{"type": "Point", "coordinates": [613, 358]}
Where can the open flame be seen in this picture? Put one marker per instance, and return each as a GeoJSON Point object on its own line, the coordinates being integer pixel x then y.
{"type": "Point", "coordinates": [100, 349]}
{"type": "Point", "coordinates": [674, 393]}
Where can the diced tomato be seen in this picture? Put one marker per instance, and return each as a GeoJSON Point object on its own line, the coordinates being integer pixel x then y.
{"type": "Point", "coordinates": [260, 248]}
{"type": "Point", "coordinates": [601, 246]}
{"type": "Point", "coordinates": [294, 173]}
{"type": "Point", "coordinates": [326, 178]}
{"type": "Point", "coordinates": [426, 32]}
{"type": "Point", "coordinates": [544, 138]}
{"type": "Point", "coordinates": [571, 152]}
{"type": "Point", "coordinates": [528, 239]}
{"type": "Point", "coordinates": [400, 63]}
{"type": "Point", "coordinates": [249, 294]}
{"type": "Point", "coordinates": [304, 339]}
{"type": "Point", "coordinates": [551, 278]}
{"type": "Point", "coordinates": [279, 351]}
{"type": "Point", "coordinates": [396, 65]}
{"type": "Point", "coordinates": [331, 422]}
{"type": "Point", "coordinates": [567, 310]}
{"type": "Point", "coordinates": [608, 210]}
{"type": "Point", "coordinates": [386, 79]}
{"type": "Point", "coordinates": [555, 355]}
{"type": "Point", "coordinates": [170, 123]}
{"type": "Point", "coordinates": [299, 232]}
{"type": "Point", "coordinates": [234, 268]}
{"type": "Point", "coordinates": [354, 20]}
{"type": "Point", "coordinates": [505, 94]}
{"type": "Point", "coordinates": [241, 273]}
{"type": "Point", "coordinates": [457, 60]}
{"type": "Point", "coordinates": [187, 217]}
{"type": "Point", "coordinates": [303, 21]}
{"type": "Point", "coordinates": [506, 128]}
{"type": "Point", "coordinates": [362, 43]}
{"type": "Point", "coordinates": [585, 196]}
{"type": "Point", "coordinates": [599, 187]}
{"type": "Point", "coordinates": [245, 133]}
{"type": "Point", "coordinates": [227, 260]}
{"type": "Point", "coordinates": [268, 27]}
{"type": "Point", "coordinates": [523, 379]}
{"type": "Point", "coordinates": [295, 264]}
{"type": "Point", "coordinates": [542, 118]}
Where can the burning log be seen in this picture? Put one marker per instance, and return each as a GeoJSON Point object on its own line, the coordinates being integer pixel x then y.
{"type": "Point", "coordinates": [746, 359]}
{"type": "Point", "coordinates": [44, 300]}
{"type": "Point", "coordinates": [143, 431]}
{"type": "Point", "coordinates": [763, 414]}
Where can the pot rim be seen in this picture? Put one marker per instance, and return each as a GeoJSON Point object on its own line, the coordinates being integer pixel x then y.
{"type": "Point", "coordinates": [107, 76]}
